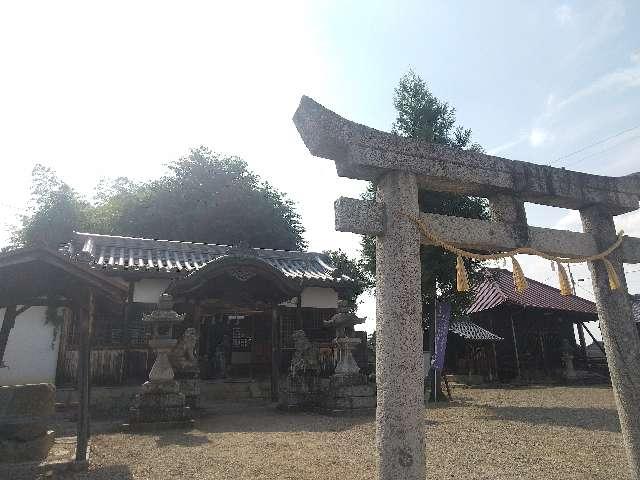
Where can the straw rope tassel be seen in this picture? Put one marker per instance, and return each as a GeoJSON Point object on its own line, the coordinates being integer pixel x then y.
{"type": "Point", "coordinates": [614, 281]}
{"type": "Point", "coordinates": [461, 274]}
{"type": "Point", "coordinates": [565, 286]}
{"type": "Point", "coordinates": [518, 276]}
{"type": "Point", "coordinates": [519, 280]}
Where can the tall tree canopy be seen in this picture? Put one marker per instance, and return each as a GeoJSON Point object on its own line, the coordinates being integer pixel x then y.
{"type": "Point", "coordinates": [205, 197]}
{"type": "Point", "coordinates": [55, 210]}
{"type": "Point", "coordinates": [354, 269]}
{"type": "Point", "coordinates": [423, 116]}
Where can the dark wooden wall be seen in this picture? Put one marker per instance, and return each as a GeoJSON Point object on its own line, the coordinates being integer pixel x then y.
{"type": "Point", "coordinates": [539, 335]}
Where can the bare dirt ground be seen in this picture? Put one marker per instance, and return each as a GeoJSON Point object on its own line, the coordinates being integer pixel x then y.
{"type": "Point", "coordinates": [533, 433]}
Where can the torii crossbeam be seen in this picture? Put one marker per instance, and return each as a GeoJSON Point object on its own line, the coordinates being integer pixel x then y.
{"type": "Point", "coordinates": [400, 166]}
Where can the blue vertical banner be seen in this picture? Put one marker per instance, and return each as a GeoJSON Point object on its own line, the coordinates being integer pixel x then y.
{"type": "Point", "coordinates": [443, 314]}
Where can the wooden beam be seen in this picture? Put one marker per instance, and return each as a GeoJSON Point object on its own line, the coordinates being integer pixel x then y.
{"type": "Point", "coordinates": [583, 344]}
{"type": "Point", "coordinates": [105, 286]}
{"type": "Point", "coordinates": [598, 344]}
{"type": "Point", "coordinates": [127, 309]}
{"type": "Point", "coordinates": [86, 318]}
{"type": "Point", "coordinates": [8, 322]}
{"type": "Point", "coordinates": [275, 353]}
{"type": "Point", "coordinates": [367, 218]}
{"type": "Point", "coordinates": [515, 343]}
{"type": "Point", "coordinates": [23, 309]}
{"type": "Point", "coordinates": [34, 302]}
{"type": "Point", "coordinates": [299, 319]}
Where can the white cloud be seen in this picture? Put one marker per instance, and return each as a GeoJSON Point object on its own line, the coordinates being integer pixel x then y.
{"type": "Point", "coordinates": [564, 14]}
{"type": "Point", "coordinates": [635, 56]}
{"type": "Point", "coordinates": [630, 223]}
{"type": "Point", "coordinates": [571, 221]}
{"type": "Point", "coordinates": [538, 136]}
{"type": "Point", "coordinates": [620, 80]}
{"type": "Point", "coordinates": [506, 146]}
{"type": "Point", "coordinates": [599, 22]}
{"type": "Point", "coordinates": [551, 99]}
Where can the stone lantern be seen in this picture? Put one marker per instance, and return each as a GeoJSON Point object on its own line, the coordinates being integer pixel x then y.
{"type": "Point", "coordinates": [161, 322]}
{"type": "Point", "coordinates": [160, 400]}
{"type": "Point", "coordinates": [344, 321]}
{"type": "Point", "coordinates": [348, 391]}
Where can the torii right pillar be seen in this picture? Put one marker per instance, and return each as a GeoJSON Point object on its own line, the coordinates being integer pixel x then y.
{"type": "Point", "coordinates": [619, 332]}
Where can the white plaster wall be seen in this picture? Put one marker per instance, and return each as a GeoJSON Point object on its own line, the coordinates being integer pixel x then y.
{"type": "Point", "coordinates": [148, 290]}
{"type": "Point", "coordinates": [30, 357]}
{"type": "Point", "coordinates": [319, 297]}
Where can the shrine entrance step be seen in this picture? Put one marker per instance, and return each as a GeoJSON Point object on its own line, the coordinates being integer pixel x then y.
{"type": "Point", "coordinates": [235, 390]}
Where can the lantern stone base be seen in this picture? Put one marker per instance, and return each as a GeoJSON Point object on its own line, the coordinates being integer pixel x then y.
{"type": "Point", "coordinates": [160, 403]}
{"type": "Point", "coordinates": [33, 449]}
{"type": "Point", "coordinates": [24, 421]}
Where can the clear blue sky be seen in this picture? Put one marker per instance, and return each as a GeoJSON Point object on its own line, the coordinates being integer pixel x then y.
{"type": "Point", "coordinates": [94, 90]}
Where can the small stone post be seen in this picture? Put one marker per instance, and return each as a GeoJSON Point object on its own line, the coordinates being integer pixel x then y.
{"type": "Point", "coordinates": [619, 333]}
{"type": "Point", "coordinates": [400, 404]}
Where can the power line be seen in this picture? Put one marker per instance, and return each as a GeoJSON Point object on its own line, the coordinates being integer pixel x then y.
{"type": "Point", "coordinates": [584, 289]}
{"type": "Point", "coordinates": [599, 142]}
{"type": "Point", "coordinates": [626, 140]}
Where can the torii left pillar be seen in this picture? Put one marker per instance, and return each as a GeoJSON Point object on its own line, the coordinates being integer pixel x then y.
{"type": "Point", "coordinates": [399, 357]}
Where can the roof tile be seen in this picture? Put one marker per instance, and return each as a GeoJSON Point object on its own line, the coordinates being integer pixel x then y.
{"type": "Point", "coordinates": [498, 288]}
{"type": "Point", "coordinates": [111, 252]}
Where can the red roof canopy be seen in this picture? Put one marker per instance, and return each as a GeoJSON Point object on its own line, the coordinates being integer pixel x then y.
{"type": "Point", "coordinates": [498, 288]}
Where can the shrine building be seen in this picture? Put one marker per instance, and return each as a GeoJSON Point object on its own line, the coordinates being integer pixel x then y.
{"type": "Point", "coordinates": [244, 304]}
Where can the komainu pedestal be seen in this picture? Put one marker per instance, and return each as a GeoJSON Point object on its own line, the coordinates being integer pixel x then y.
{"type": "Point", "coordinates": [185, 367]}
{"type": "Point", "coordinates": [301, 388]}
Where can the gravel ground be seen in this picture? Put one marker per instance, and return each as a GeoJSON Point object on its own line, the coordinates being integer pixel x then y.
{"type": "Point", "coordinates": [548, 432]}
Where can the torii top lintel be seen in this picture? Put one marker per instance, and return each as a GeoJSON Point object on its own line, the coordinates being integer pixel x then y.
{"type": "Point", "coordinates": [365, 153]}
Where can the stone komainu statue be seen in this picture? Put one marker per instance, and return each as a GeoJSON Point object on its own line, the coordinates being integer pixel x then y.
{"type": "Point", "coordinates": [306, 357]}
{"type": "Point", "coordinates": [183, 355]}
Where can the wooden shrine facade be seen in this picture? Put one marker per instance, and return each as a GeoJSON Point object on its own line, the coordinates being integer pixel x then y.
{"type": "Point", "coordinates": [536, 328]}
{"type": "Point", "coordinates": [38, 277]}
{"type": "Point", "coordinates": [243, 304]}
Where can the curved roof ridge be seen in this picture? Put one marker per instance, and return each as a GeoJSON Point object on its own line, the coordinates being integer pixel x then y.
{"type": "Point", "coordinates": [187, 242]}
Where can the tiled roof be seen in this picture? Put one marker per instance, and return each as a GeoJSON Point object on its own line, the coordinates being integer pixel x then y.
{"type": "Point", "coordinates": [471, 331]}
{"type": "Point", "coordinates": [129, 254]}
{"type": "Point", "coordinates": [498, 288]}
{"type": "Point", "coordinates": [635, 307]}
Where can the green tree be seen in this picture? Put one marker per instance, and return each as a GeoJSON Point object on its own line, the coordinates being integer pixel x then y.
{"type": "Point", "coordinates": [423, 116]}
{"type": "Point", "coordinates": [205, 197]}
{"type": "Point", "coordinates": [55, 210]}
{"type": "Point", "coordinates": [355, 270]}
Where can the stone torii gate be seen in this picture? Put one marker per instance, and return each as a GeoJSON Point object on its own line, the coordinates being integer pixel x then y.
{"type": "Point", "coordinates": [400, 166]}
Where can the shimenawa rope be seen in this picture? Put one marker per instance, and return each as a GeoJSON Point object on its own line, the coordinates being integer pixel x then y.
{"type": "Point", "coordinates": [519, 279]}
